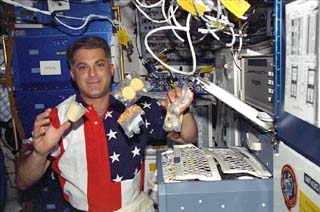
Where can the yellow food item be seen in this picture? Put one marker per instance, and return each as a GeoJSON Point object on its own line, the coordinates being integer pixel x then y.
{"type": "Point", "coordinates": [128, 113]}
{"type": "Point", "coordinates": [75, 111]}
{"type": "Point", "coordinates": [137, 84]}
{"type": "Point", "coordinates": [128, 93]}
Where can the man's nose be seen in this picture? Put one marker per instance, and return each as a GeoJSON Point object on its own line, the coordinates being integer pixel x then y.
{"type": "Point", "coordinates": [92, 71]}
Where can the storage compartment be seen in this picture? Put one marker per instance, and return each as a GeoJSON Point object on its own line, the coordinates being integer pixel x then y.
{"type": "Point", "coordinates": [43, 66]}
{"type": "Point", "coordinates": [224, 195]}
{"type": "Point", "coordinates": [32, 103]}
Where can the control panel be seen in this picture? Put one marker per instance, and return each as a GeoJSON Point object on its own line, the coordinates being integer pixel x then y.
{"type": "Point", "coordinates": [258, 78]}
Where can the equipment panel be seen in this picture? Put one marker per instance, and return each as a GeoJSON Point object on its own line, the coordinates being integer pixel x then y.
{"type": "Point", "coordinates": [162, 80]}
{"type": "Point", "coordinates": [258, 85]}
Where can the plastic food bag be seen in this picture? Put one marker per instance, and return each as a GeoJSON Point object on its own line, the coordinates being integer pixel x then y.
{"type": "Point", "coordinates": [131, 120]}
{"type": "Point", "coordinates": [174, 116]}
{"type": "Point", "coordinates": [172, 122]}
{"type": "Point", "coordinates": [131, 89]}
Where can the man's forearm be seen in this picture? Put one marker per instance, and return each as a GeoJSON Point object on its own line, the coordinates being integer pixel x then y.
{"type": "Point", "coordinates": [189, 130]}
{"type": "Point", "coordinates": [30, 168]}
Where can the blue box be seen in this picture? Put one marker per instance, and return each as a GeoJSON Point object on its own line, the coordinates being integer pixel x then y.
{"type": "Point", "coordinates": [46, 194]}
{"type": "Point", "coordinates": [50, 26]}
{"type": "Point", "coordinates": [30, 50]}
{"type": "Point", "coordinates": [32, 103]}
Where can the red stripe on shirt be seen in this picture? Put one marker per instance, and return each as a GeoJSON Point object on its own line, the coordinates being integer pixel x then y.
{"type": "Point", "coordinates": [103, 195]}
{"type": "Point", "coordinates": [54, 118]}
{"type": "Point", "coordinates": [142, 177]}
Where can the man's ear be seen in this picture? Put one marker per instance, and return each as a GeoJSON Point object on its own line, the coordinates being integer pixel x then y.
{"type": "Point", "coordinates": [112, 68]}
{"type": "Point", "coordinates": [72, 74]}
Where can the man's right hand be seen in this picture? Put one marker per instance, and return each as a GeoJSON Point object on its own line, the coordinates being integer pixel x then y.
{"type": "Point", "coordinates": [45, 136]}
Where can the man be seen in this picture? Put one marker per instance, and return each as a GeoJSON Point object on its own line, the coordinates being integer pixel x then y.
{"type": "Point", "coordinates": [99, 168]}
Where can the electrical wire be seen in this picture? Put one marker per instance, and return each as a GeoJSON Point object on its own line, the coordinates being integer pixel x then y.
{"type": "Point", "coordinates": [240, 42]}
{"type": "Point", "coordinates": [86, 20]}
{"type": "Point", "coordinates": [150, 5]}
{"type": "Point", "coordinates": [114, 23]}
{"type": "Point", "coordinates": [187, 30]}
{"type": "Point", "coordinates": [225, 26]}
{"type": "Point", "coordinates": [234, 60]}
{"type": "Point", "coordinates": [151, 19]}
{"type": "Point", "coordinates": [169, 17]}
{"type": "Point", "coordinates": [175, 25]}
{"type": "Point", "coordinates": [175, 22]}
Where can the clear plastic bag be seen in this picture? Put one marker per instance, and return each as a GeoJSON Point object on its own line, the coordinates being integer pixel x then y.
{"type": "Point", "coordinates": [172, 122]}
{"type": "Point", "coordinates": [131, 89]}
{"type": "Point", "coordinates": [182, 102]}
{"type": "Point", "coordinates": [174, 116]}
{"type": "Point", "coordinates": [131, 120]}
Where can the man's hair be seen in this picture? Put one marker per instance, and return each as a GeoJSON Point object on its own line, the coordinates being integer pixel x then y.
{"type": "Point", "coordinates": [88, 42]}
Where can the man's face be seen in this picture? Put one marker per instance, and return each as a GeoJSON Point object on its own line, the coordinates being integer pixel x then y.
{"type": "Point", "coordinates": [92, 73]}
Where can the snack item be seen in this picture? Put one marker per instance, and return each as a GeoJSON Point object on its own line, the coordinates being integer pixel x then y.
{"type": "Point", "coordinates": [75, 111]}
{"type": "Point", "coordinates": [173, 119]}
{"type": "Point", "coordinates": [182, 102]}
{"type": "Point", "coordinates": [128, 93]}
{"type": "Point", "coordinates": [131, 120]}
{"type": "Point", "coordinates": [129, 113]}
{"type": "Point", "coordinates": [130, 89]}
{"type": "Point", "coordinates": [137, 84]}
{"type": "Point", "coordinates": [172, 122]}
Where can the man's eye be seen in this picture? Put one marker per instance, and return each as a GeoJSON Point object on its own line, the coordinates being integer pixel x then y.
{"type": "Point", "coordinates": [101, 65]}
{"type": "Point", "coordinates": [82, 68]}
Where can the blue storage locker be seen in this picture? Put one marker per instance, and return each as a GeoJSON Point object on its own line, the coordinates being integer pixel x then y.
{"type": "Point", "coordinates": [29, 51]}
{"type": "Point", "coordinates": [46, 195]}
{"type": "Point", "coordinates": [78, 9]}
{"type": "Point", "coordinates": [32, 103]}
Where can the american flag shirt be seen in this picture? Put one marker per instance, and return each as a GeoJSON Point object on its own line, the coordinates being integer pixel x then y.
{"type": "Point", "coordinates": [99, 168]}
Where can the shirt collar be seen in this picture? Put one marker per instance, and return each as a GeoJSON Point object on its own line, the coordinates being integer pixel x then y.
{"type": "Point", "coordinates": [113, 102]}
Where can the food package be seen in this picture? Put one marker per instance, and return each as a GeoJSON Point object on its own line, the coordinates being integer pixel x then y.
{"type": "Point", "coordinates": [75, 111]}
{"type": "Point", "coordinates": [172, 122]}
{"type": "Point", "coordinates": [131, 120]}
{"type": "Point", "coordinates": [174, 116]}
{"type": "Point", "coordinates": [182, 102]}
{"type": "Point", "coordinates": [131, 89]}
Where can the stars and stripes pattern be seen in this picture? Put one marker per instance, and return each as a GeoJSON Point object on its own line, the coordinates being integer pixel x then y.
{"type": "Point", "coordinates": [126, 155]}
{"type": "Point", "coordinates": [100, 168]}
